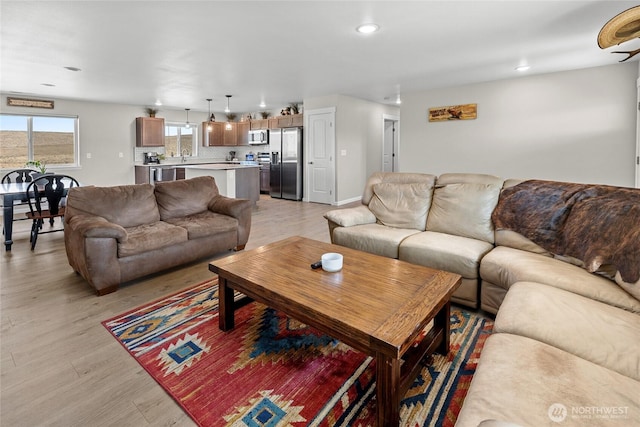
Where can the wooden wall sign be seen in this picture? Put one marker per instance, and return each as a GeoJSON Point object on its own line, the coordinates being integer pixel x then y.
{"type": "Point", "coordinates": [35, 103]}
{"type": "Point", "coordinates": [453, 112]}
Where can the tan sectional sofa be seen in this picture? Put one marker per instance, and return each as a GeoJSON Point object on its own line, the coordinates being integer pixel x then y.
{"type": "Point", "coordinates": [117, 234]}
{"type": "Point", "coordinates": [566, 343]}
{"type": "Point", "coordinates": [443, 223]}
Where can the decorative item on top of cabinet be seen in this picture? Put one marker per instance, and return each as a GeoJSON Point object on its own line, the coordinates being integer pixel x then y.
{"type": "Point", "coordinates": [149, 132]}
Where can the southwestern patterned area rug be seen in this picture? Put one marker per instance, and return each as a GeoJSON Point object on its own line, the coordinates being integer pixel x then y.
{"type": "Point", "coordinates": [274, 371]}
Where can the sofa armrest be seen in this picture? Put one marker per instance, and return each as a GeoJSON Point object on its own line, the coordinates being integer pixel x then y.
{"type": "Point", "coordinates": [96, 226]}
{"type": "Point", "coordinates": [239, 209]}
{"type": "Point", "coordinates": [351, 216]}
{"type": "Point", "coordinates": [229, 206]}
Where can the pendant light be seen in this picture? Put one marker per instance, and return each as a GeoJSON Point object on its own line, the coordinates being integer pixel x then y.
{"type": "Point", "coordinates": [228, 110]}
{"type": "Point", "coordinates": [187, 110]}
{"type": "Point", "coordinates": [211, 117]}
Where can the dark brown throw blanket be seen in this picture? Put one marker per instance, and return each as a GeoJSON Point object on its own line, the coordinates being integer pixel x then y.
{"type": "Point", "coordinates": [597, 224]}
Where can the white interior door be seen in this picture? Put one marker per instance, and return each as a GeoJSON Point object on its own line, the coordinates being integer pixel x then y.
{"type": "Point", "coordinates": [321, 141]}
{"type": "Point", "coordinates": [390, 144]}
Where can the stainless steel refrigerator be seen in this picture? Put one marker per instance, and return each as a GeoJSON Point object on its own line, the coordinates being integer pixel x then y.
{"type": "Point", "coordinates": [285, 146]}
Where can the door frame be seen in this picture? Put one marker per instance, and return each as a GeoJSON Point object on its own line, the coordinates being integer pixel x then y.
{"type": "Point", "coordinates": [395, 165]}
{"type": "Point", "coordinates": [307, 149]}
{"type": "Point", "coordinates": [637, 159]}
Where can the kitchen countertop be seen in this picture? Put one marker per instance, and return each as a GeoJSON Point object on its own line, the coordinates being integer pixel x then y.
{"type": "Point", "coordinates": [219, 166]}
{"type": "Point", "coordinates": [189, 163]}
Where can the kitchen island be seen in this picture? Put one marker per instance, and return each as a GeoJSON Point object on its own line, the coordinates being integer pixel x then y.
{"type": "Point", "coordinates": [233, 180]}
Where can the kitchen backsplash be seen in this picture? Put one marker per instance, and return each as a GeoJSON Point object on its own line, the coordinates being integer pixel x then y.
{"type": "Point", "coordinates": [214, 153]}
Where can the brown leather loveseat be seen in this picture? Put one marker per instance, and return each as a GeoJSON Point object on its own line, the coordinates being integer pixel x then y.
{"type": "Point", "coordinates": [117, 234]}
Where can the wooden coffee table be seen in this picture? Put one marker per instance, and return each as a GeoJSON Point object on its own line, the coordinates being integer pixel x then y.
{"type": "Point", "coordinates": [376, 305]}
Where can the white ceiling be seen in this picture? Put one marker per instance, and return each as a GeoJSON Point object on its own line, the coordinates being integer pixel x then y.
{"type": "Point", "coordinates": [182, 52]}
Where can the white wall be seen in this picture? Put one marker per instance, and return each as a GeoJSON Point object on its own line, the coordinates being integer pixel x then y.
{"type": "Point", "coordinates": [359, 136]}
{"type": "Point", "coordinates": [575, 126]}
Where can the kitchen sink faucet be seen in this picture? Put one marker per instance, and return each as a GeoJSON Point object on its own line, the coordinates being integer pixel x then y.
{"type": "Point", "coordinates": [183, 155]}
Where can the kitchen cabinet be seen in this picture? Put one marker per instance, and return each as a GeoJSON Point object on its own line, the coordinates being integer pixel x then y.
{"type": "Point", "coordinates": [219, 135]}
{"type": "Point", "coordinates": [212, 134]}
{"type": "Point", "coordinates": [259, 124]}
{"type": "Point", "coordinates": [297, 120]}
{"type": "Point", "coordinates": [149, 132]}
{"type": "Point", "coordinates": [293, 120]}
{"type": "Point", "coordinates": [142, 175]}
{"type": "Point", "coordinates": [242, 138]}
{"type": "Point", "coordinates": [230, 136]}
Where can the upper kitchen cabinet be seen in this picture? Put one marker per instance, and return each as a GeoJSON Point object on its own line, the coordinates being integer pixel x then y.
{"type": "Point", "coordinates": [212, 134]}
{"type": "Point", "coordinates": [259, 124]}
{"type": "Point", "coordinates": [242, 138]}
{"type": "Point", "coordinates": [219, 135]}
{"type": "Point", "coordinates": [292, 120]}
{"type": "Point", "coordinates": [149, 132]}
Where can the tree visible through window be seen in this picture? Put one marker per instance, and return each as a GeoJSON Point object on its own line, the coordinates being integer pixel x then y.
{"type": "Point", "coordinates": [50, 140]}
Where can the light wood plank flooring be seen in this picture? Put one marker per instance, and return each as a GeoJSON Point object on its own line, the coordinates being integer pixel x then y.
{"type": "Point", "coordinates": [59, 365]}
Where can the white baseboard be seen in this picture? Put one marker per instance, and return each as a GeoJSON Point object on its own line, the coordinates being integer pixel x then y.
{"type": "Point", "coordinates": [344, 202]}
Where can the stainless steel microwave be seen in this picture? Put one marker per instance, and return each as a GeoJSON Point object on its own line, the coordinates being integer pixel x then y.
{"type": "Point", "coordinates": [258, 137]}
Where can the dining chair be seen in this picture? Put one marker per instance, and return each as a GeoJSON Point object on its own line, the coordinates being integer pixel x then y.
{"type": "Point", "coordinates": [18, 176]}
{"type": "Point", "coordinates": [46, 196]}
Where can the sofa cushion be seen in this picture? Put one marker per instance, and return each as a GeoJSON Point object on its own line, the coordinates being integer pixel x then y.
{"type": "Point", "coordinates": [519, 380]}
{"type": "Point", "coordinates": [462, 205]}
{"type": "Point", "coordinates": [505, 266]}
{"type": "Point", "coordinates": [447, 252]}
{"type": "Point", "coordinates": [125, 205]}
{"type": "Point", "coordinates": [401, 205]}
{"type": "Point", "coordinates": [148, 237]}
{"type": "Point", "coordinates": [205, 224]}
{"type": "Point", "coordinates": [394, 178]}
{"type": "Point", "coordinates": [589, 329]}
{"type": "Point", "coordinates": [516, 240]}
{"type": "Point", "coordinates": [373, 238]}
{"type": "Point", "coordinates": [351, 216]}
{"type": "Point", "coordinates": [185, 197]}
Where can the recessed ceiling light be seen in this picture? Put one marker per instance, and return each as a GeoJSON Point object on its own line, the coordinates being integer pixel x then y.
{"type": "Point", "coordinates": [158, 103]}
{"type": "Point", "coordinates": [72, 68]}
{"type": "Point", "coordinates": [522, 68]}
{"type": "Point", "coordinates": [367, 28]}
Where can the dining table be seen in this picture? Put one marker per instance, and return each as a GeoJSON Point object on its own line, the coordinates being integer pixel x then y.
{"type": "Point", "coordinates": [10, 192]}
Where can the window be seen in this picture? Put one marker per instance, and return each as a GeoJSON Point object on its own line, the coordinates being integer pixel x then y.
{"type": "Point", "coordinates": [48, 139]}
{"type": "Point", "coordinates": [179, 138]}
